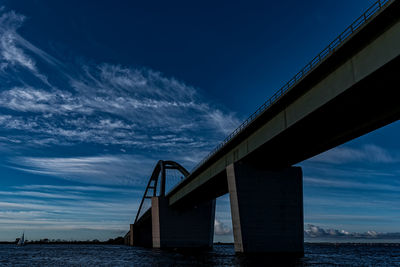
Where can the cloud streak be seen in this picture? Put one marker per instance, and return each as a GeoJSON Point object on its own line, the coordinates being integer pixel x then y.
{"type": "Point", "coordinates": [86, 188]}
{"type": "Point", "coordinates": [39, 205]}
{"type": "Point", "coordinates": [104, 169]}
{"type": "Point", "coordinates": [339, 183]}
{"type": "Point", "coordinates": [367, 153]}
{"type": "Point", "coordinates": [53, 208]}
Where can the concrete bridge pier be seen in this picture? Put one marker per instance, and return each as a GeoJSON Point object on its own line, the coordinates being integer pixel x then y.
{"type": "Point", "coordinates": [190, 227]}
{"type": "Point", "coordinates": [267, 209]}
{"type": "Point", "coordinates": [140, 233]}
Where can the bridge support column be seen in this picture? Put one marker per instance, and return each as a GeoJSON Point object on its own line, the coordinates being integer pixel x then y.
{"type": "Point", "coordinates": [191, 227]}
{"type": "Point", "coordinates": [140, 233]}
{"type": "Point", "coordinates": [131, 230]}
{"type": "Point", "coordinates": [267, 209]}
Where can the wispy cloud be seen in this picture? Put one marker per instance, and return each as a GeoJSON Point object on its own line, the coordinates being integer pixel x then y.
{"type": "Point", "coordinates": [99, 206]}
{"type": "Point", "coordinates": [86, 188]}
{"type": "Point", "coordinates": [104, 104]}
{"type": "Point", "coordinates": [42, 195]}
{"type": "Point", "coordinates": [10, 53]}
{"type": "Point", "coordinates": [12, 45]}
{"type": "Point", "coordinates": [105, 169]}
{"type": "Point", "coordinates": [112, 118]}
{"type": "Point", "coordinates": [29, 99]}
{"type": "Point", "coordinates": [367, 153]}
{"type": "Point", "coordinates": [340, 183]}
{"type": "Point", "coordinates": [333, 202]}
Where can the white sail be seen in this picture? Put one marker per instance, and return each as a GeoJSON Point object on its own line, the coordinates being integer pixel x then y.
{"type": "Point", "coordinates": [21, 241]}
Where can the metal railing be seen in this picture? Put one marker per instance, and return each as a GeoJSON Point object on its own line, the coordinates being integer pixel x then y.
{"type": "Point", "coordinates": [338, 41]}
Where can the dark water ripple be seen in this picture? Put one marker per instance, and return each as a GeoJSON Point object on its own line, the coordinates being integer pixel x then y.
{"type": "Point", "coordinates": [221, 255]}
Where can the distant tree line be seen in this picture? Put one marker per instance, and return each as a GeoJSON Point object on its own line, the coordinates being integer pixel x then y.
{"type": "Point", "coordinates": [112, 241]}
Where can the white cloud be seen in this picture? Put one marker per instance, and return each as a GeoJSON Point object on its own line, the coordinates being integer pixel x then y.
{"type": "Point", "coordinates": [313, 231]}
{"type": "Point", "coordinates": [221, 229]}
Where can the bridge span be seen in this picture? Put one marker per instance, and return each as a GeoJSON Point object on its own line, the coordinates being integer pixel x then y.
{"type": "Point", "coordinates": [349, 89]}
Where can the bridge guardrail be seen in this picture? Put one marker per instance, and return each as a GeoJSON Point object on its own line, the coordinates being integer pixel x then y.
{"type": "Point", "coordinates": [325, 53]}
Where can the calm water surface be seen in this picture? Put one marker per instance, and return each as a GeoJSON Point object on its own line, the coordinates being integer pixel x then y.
{"type": "Point", "coordinates": [221, 255]}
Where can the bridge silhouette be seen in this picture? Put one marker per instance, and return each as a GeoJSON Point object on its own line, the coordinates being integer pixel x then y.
{"type": "Point", "coordinates": [349, 89]}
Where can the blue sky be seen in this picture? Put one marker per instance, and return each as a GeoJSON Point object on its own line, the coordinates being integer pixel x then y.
{"type": "Point", "coordinates": [93, 93]}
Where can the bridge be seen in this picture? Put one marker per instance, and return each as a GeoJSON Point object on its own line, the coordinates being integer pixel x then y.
{"type": "Point", "coordinates": [349, 89]}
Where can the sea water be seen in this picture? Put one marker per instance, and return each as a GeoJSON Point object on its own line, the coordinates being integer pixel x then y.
{"type": "Point", "coordinates": [220, 255]}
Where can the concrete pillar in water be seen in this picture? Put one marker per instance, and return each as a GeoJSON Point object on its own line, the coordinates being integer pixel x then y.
{"type": "Point", "coordinates": [267, 209]}
{"type": "Point", "coordinates": [189, 227]}
{"type": "Point", "coordinates": [131, 235]}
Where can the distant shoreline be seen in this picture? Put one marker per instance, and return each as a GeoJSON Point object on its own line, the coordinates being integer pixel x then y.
{"type": "Point", "coordinates": [62, 243]}
{"type": "Point", "coordinates": [117, 241]}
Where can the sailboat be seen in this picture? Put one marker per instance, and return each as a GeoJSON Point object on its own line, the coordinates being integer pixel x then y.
{"type": "Point", "coordinates": [21, 241]}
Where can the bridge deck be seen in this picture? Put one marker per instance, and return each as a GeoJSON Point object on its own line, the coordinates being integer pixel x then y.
{"type": "Point", "coordinates": [348, 93]}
